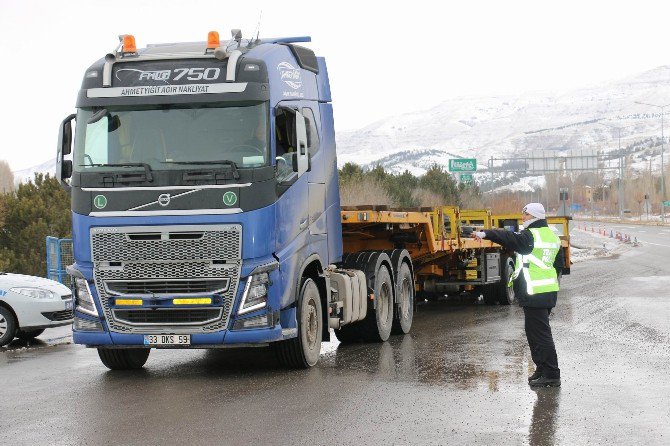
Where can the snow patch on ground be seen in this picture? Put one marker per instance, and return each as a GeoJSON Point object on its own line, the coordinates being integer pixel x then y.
{"type": "Point", "coordinates": [587, 245]}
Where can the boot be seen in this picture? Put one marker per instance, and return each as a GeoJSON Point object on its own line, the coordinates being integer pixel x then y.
{"type": "Point", "coordinates": [536, 374]}
{"type": "Point", "coordinates": [543, 381]}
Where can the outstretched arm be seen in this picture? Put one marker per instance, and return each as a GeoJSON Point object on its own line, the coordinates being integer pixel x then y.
{"type": "Point", "coordinates": [521, 242]}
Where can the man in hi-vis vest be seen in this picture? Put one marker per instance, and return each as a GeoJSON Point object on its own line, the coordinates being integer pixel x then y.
{"type": "Point", "coordinates": [535, 280]}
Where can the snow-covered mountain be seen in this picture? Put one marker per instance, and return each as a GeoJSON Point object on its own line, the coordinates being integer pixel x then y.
{"type": "Point", "coordinates": [507, 126]}
{"type": "Point", "coordinates": [514, 125]}
{"type": "Point", "coordinates": [22, 176]}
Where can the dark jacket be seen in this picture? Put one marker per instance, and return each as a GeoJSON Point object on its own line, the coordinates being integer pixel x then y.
{"type": "Point", "coordinates": [522, 243]}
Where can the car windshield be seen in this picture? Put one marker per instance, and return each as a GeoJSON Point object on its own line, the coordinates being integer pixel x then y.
{"type": "Point", "coordinates": [170, 137]}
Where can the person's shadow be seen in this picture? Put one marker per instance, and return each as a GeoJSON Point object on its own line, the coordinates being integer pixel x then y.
{"type": "Point", "coordinates": [542, 429]}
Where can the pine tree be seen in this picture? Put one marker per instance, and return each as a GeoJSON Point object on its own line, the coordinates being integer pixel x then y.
{"type": "Point", "coordinates": [31, 213]}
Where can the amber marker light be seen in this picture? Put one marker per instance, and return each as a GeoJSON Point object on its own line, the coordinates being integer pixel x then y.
{"type": "Point", "coordinates": [197, 301]}
{"type": "Point", "coordinates": [213, 41]}
{"type": "Point", "coordinates": [128, 302]}
{"type": "Point", "coordinates": [129, 44]}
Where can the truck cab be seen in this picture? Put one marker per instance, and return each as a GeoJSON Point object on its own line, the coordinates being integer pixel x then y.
{"type": "Point", "coordinates": [205, 199]}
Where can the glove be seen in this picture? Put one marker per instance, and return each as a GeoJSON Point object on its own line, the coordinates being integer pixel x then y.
{"type": "Point", "coordinates": [479, 234]}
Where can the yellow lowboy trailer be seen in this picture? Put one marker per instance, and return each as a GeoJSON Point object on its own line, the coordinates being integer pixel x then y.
{"type": "Point", "coordinates": [445, 259]}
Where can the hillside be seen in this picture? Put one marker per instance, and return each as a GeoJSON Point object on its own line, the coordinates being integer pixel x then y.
{"type": "Point", "coordinates": [505, 126]}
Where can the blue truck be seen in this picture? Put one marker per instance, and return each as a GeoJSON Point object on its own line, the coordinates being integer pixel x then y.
{"type": "Point", "coordinates": [206, 209]}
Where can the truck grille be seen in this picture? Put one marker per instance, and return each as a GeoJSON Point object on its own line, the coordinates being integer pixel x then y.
{"type": "Point", "coordinates": [167, 287]}
{"type": "Point", "coordinates": [167, 260]}
{"type": "Point", "coordinates": [168, 316]}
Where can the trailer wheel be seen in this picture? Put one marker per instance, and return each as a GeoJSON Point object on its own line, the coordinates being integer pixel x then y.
{"type": "Point", "coordinates": [404, 308]}
{"type": "Point", "coordinates": [376, 327]}
{"type": "Point", "coordinates": [120, 359]}
{"type": "Point", "coordinates": [506, 293]}
{"type": "Point", "coordinates": [490, 293]}
{"type": "Point", "coordinates": [304, 350]}
{"type": "Point", "coordinates": [7, 326]}
{"type": "Point", "coordinates": [348, 334]}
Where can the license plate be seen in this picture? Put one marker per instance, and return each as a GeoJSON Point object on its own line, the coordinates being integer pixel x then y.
{"type": "Point", "coordinates": [167, 339]}
{"type": "Point", "coordinates": [68, 305]}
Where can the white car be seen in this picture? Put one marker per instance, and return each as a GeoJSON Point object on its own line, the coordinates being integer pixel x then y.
{"type": "Point", "coordinates": [29, 304]}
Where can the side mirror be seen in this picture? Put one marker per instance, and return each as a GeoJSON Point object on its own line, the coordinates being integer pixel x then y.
{"type": "Point", "coordinates": [66, 170]}
{"type": "Point", "coordinates": [65, 142]}
{"type": "Point", "coordinates": [64, 167]}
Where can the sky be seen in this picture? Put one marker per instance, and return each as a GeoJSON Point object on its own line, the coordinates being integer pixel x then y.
{"type": "Point", "coordinates": [384, 58]}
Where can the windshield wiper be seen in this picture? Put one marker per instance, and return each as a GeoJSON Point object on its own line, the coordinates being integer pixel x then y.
{"type": "Point", "coordinates": [232, 164]}
{"type": "Point", "coordinates": [147, 168]}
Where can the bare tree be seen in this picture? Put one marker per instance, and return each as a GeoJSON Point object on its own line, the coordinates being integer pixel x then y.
{"type": "Point", "coordinates": [365, 191]}
{"type": "Point", "coordinates": [427, 198]}
{"type": "Point", "coordinates": [6, 178]}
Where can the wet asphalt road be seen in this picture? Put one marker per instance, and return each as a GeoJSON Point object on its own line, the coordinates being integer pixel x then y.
{"type": "Point", "coordinates": [459, 378]}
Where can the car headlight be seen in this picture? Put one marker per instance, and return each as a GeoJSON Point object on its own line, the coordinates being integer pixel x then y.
{"type": "Point", "coordinates": [84, 298]}
{"type": "Point", "coordinates": [255, 294]}
{"type": "Point", "coordinates": [37, 293]}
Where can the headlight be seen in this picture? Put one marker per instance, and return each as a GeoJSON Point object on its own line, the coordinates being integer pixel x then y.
{"type": "Point", "coordinates": [37, 293]}
{"type": "Point", "coordinates": [84, 298]}
{"type": "Point", "coordinates": [255, 294]}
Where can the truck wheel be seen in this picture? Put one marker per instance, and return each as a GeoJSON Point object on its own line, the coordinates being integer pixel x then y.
{"type": "Point", "coordinates": [490, 293]}
{"type": "Point", "coordinates": [28, 335]}
{"type": "Point", "coordinates": [119, 359]}
{"type": "Point", "coordinates": [348, 334]}
{"type": "Point", "coordinates": [404, 308]}
{"type": "Point", "coordinates": [376, 327]}
{"type": "Point", "coordinates": [304, 350]}
{"type": "Point", "coordinates": [7, 326]}
{"type": "Point", "coordinates": [506, 293]}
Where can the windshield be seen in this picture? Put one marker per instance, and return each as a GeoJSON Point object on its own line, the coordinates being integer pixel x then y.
{"type": "Point", "coordinates": [173, 137]}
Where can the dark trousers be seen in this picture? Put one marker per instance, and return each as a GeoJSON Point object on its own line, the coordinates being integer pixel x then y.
{"type": "Point", "coordinates": [540, 341]}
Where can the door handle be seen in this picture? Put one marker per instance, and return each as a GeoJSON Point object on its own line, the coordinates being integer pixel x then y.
{"type": "Point", "coordinates": [303, 224]}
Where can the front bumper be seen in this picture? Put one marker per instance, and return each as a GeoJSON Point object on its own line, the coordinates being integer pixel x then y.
{"type": "Point", "coordinates": [283, 329]}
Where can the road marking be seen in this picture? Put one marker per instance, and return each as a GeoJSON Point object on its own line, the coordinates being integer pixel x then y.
{"type": "Point", "coordinates": [641, 230]}
{"type": "Point", "coordinates": [655, 244]}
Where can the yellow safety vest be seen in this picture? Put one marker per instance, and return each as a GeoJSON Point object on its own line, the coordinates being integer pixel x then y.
{"type": "Point", "coordinates": [538, 266]}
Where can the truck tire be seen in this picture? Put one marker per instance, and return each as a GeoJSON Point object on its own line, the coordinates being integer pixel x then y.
{"type": "Point", "coordinates": [404, 307]}
{"type": "Point", "coordinates": [348, 334]}
{"type": "Point", "coordinates": [505, 293]}
{"type": "Point", "coordinates": [304, 350]}
{"type": "Point", "coordinates": [29, 335]}
{"type": "Point", "coordinates": [7, 326]}
{"type": "Point", "coordinates": [124, 359]}
{"type": "Point", "coordinates": [376, 327]}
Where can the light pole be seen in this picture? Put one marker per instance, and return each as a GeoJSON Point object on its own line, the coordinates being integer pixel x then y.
{"type": "Point", "coordinates": [662, 107]}
{"type": "Point", "coordinates": [621, 168]}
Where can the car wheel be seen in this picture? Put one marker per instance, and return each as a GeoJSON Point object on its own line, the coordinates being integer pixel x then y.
{"type": "Point", "coordinates": [28, 335]}
{"type": "Point", "coordinates": [7, 326]}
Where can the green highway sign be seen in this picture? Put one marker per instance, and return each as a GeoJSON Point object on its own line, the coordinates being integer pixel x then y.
{"type": "Point", "coordinates": [666, 203]}
{"type": "Point", "coordinates": [463, 165]}
{"type": "Point", "coordinates": [466, 178]}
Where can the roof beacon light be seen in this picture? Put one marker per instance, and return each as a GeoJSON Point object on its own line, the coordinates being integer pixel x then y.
{"type": "Point", "coordinates": [129, 44]}
{"type": "Point", "coordinates": [213, 41]}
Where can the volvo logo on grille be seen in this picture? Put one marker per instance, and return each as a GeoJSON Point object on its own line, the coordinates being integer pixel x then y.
{"type": "Point", "coordinates": [164, 199]}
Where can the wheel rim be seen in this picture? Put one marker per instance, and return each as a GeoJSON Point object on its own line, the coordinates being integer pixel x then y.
{"type": "Point", "coordinates": [312, 324]}
{"type": "Point", "coordinates": [384, 300]}
{"type": "Point", "coordinates": [3, 326]}
{"type": "Point", "coordinates": [404, 299]}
